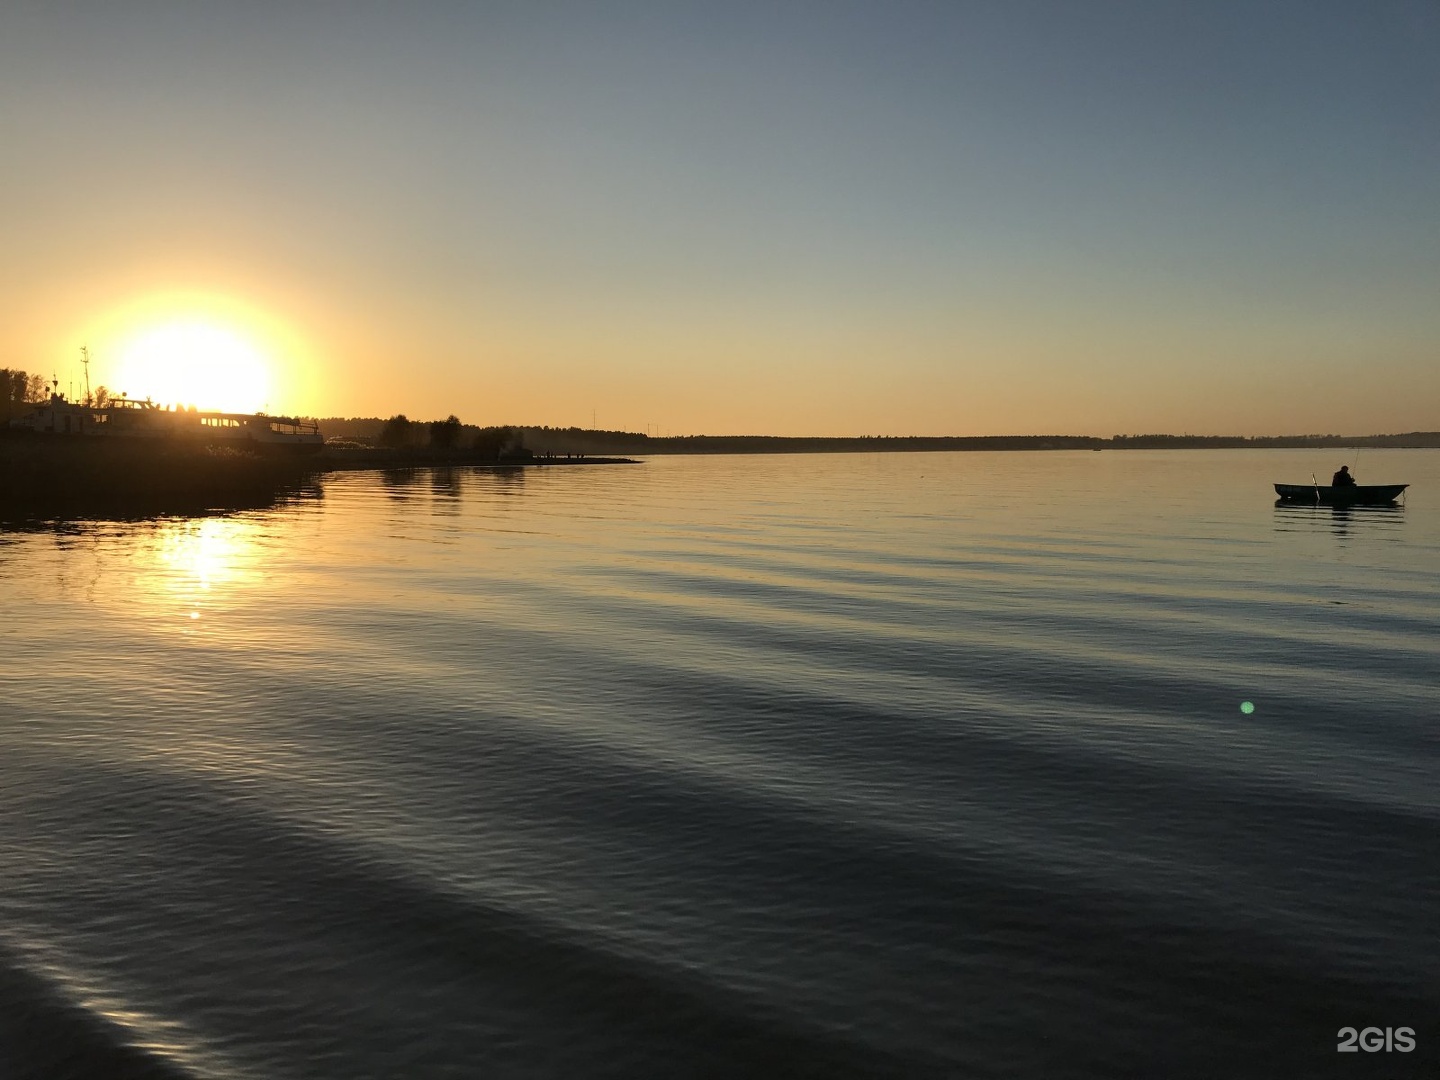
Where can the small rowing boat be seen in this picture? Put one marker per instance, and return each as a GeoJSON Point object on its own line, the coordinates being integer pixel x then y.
{"type": "Point", "coordinates": [1352, 495]}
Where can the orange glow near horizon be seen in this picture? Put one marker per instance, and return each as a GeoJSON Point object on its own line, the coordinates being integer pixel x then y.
{"type": "Point", "coordinates": [212, 353]}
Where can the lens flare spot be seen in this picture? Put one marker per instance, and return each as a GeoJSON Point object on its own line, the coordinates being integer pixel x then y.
{"type": "Point", "coordinates": [1247, 707]}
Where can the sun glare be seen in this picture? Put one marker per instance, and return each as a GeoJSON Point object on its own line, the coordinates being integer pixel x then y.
{"type": "Point", "coordinates": [194, 363]}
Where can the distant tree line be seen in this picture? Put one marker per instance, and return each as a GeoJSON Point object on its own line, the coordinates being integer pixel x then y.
{"type": "Point", "coordinates": [1413, 439]}
{"type": "Point", "coordinates": [581, 441]}
{"type": "Point", "coordinates": [555, 440]}
{"type": "Point", "coordinates": [448, 436]}
{"type": "Point", "coordinates": [496, 442]}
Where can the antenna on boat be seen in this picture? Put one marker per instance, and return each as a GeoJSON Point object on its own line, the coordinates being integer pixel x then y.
{"type": "Point", "coordinates": [85, 360]}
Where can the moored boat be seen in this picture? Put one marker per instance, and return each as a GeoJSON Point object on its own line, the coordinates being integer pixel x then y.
{"type": "Point", "coordinates": [125, 418]}
{"type": "Point", "coordinates": [1351, 495]}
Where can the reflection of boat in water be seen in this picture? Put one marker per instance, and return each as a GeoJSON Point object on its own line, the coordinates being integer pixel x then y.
{"type": "Point", "coordinates": [123, 418]}
{"type": "Point", "coordinates": [1354, 495]}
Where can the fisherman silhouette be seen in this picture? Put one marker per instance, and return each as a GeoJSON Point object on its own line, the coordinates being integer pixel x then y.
{"type": "Point", "coordinates": [1343, 478]}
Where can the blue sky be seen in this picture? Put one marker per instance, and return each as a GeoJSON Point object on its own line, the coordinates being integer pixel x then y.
{"type": "Point", "coordinates": [840, 218]}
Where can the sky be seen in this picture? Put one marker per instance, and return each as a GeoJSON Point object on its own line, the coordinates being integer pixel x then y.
{"type": "Point", "coordinates": [928, 217]}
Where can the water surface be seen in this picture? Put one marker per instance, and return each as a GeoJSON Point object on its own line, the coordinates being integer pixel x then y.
{"type": "Point", "coordinates": [1039, 764]}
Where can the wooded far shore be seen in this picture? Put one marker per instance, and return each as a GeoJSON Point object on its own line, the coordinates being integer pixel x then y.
{"type": "Point", "coordinates": [542, 441]}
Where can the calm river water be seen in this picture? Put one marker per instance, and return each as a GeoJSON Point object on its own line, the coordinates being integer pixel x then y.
{"type": "Point", "coordinates": [1014, 764]}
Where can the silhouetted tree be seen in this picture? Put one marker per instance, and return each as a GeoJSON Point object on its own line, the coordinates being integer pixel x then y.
{"type": "Point", "coordinates": [491, 442]}
{"type": "Point", "coordinates": [16, 389]}
{"type": "Point", "coordinates": [444, 434]}
{"type": "Point", "coordinates": [398, 431]}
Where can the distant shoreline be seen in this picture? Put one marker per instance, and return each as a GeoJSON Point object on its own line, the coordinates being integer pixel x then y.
{"type": "Point", "coordinates": [363, 435]}
{"type": "Point", "coordinates": [744, 444]}
{"type": "Point", "coordinates": [563, 443]}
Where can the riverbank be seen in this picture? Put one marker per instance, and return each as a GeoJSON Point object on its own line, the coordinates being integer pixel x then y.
{"type": "Point", "coordinates": [56, 477]}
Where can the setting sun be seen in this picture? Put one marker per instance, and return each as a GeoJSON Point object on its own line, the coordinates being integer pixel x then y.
{"type": "Point", "coordinates": [195, 363]}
